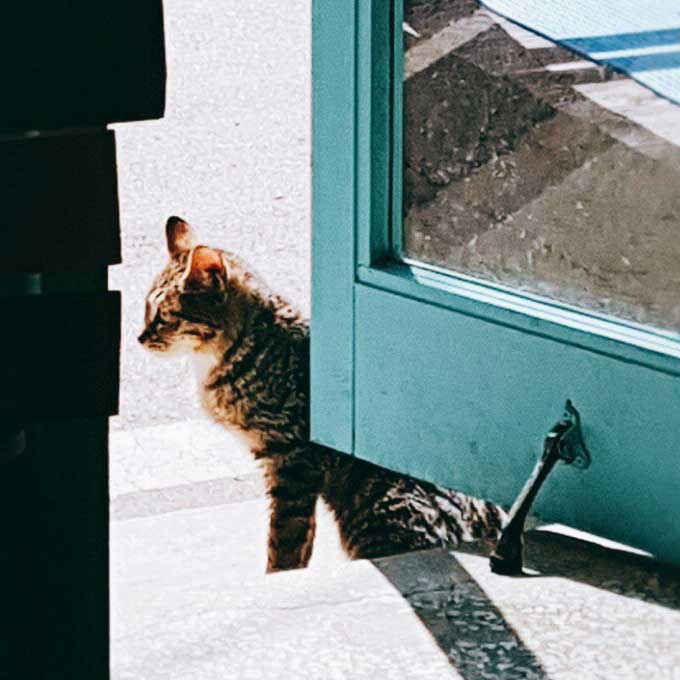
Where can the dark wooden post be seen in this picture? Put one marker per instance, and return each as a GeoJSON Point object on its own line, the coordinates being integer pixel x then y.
{"type": "Point", "coordinates": [75, 67]}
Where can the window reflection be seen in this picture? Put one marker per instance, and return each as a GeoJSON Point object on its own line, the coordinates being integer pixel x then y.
{"type": "Point", "coordinates": [528, 165]}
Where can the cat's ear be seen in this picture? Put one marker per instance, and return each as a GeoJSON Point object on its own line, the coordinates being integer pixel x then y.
{"type": "Point", "coordinates": [206, 270]}
{"type": "Point", "coordinates": [179, 234]}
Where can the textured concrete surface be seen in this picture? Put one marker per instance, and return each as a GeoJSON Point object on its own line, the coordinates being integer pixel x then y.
{"type": "Point", "coordinates": [173, 454]}
{"type": "Point", "coordinates": [191, 601]}
{"type": "Point", "coordinates": [232, 155]}
{"type": "Point", "coordinates": [589, 612]}
{"type": "Point", "coordinates": [188, 464]}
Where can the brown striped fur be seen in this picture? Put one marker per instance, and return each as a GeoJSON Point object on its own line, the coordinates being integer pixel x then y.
{"type": "Point", "coordinates": [254, 349]}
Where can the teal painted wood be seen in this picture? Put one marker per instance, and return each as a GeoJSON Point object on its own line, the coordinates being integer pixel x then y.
{"type": "Point", "coordinates": [333, 216]}
{"type": "Point", "coordinates": [396, 241]}
{"type": "Point", "coordinates": [456, 399]}
{"type": "Point", "coordinates": [636, 344]}
{"type": "Point", "coordinates": [453, 379]}
{"type": "Point", "coordinates": [374, 130]}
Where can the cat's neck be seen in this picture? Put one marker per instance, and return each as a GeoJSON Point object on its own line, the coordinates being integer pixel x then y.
{"type": "Point", "coordinates": [252, 317]}
{"type": "Point", "coordinates": [204, 361]}
{"type": "Point", "coordinates": [247, 320]}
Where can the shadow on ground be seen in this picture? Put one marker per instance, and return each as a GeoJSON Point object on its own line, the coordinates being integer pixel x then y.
{"type": "Point", "coordinates": [463, 617]}
{"type": "Point", "coordinates": [552, 554]}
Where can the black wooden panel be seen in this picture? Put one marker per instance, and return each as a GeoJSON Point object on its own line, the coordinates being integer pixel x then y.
{"type": "Point", "coordinates": [59, 356]}
{"type": "Point", "coordinates": [54, 618]}
{"type": "Point", "coordinates": [59, 203]}
{"type": "Point", "coordinates": [75, 63]}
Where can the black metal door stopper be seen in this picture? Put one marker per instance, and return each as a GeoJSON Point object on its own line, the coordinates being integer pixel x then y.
{"type": "Point", "coordinates": [564, 442]}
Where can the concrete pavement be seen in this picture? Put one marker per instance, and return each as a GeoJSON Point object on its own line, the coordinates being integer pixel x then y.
{"type": "Point", "coordinates": [190, 601]}
{"type": "Point", "coordinates": [231, 155]}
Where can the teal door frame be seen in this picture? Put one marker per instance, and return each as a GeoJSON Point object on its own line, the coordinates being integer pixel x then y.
{"type": "Point", "coordinates": [449, 378]}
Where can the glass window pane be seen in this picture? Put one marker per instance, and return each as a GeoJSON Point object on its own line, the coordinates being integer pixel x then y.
{"type": "Point", "coordinates": [528, 165]}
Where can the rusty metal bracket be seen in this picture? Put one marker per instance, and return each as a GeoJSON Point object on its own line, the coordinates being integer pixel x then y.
{"type": "Point", "coordinates": [563, 442]}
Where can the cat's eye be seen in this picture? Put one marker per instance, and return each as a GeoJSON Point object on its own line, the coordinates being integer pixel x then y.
{"type": "Point", "coordinates": [167, 319]}
{"type": "Point", "coordinates": [186, 316]}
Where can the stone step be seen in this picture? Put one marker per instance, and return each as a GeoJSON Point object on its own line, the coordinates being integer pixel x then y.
{"type": "Point", "coordinates": [175, 454]}
{"type": "Point", "coordinates": [190, 601]}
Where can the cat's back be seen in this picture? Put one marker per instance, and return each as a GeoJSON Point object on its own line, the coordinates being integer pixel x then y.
{"type": "Point", "coordinates": [381, 512]}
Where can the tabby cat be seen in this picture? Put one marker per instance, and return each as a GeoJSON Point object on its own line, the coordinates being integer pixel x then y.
{"type": "Point", "coordinates": [254, 350]}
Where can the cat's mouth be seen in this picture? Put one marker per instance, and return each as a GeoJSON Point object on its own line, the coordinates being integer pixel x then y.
{"type": "Point", "coordinates": [154, 346]}
{"type": "Point", "coordinates": [151, 342]}
{"type": "Point", "coordinates": [190, 340]}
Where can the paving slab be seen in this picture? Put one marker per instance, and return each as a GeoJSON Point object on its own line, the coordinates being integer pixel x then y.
{"type": "Point", "coordinates": [231, 155]}
{"type": "Point", "coordinates": [174, 454]}
{"type": "Point", "coordinates": [191, 601]}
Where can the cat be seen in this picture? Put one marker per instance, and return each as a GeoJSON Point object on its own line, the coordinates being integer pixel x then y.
{"type": "Point", "coordinates": [253, 347]}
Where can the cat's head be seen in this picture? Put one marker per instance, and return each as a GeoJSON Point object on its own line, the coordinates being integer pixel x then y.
{"type": "Point", "coordinates": [186, 306]}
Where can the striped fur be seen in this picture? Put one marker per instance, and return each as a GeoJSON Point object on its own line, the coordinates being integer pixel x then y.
{"type": "Point", "coordinates": [254, 348]}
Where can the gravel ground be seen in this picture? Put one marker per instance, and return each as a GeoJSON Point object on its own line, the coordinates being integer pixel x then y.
{"type": "Point", "coordinates": [232, 156]}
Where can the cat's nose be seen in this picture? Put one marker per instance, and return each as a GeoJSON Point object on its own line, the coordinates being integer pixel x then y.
{"type": "Point", "coordinates": [143, 337]}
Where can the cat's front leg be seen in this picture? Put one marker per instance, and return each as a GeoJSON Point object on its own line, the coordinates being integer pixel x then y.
{"type": "Point", "coordinates": [293, 492]}
{"type": "Point", "coordinates": [291, 531]}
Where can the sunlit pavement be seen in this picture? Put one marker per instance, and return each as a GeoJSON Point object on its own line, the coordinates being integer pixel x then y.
{"type": "Point", "coordinates": [231, 155]}
{"type": "Point", "coordinates": [190, 599]}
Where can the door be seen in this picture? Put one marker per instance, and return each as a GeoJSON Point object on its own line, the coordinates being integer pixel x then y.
{"type": "Point", "coordinates": [496, 219]}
